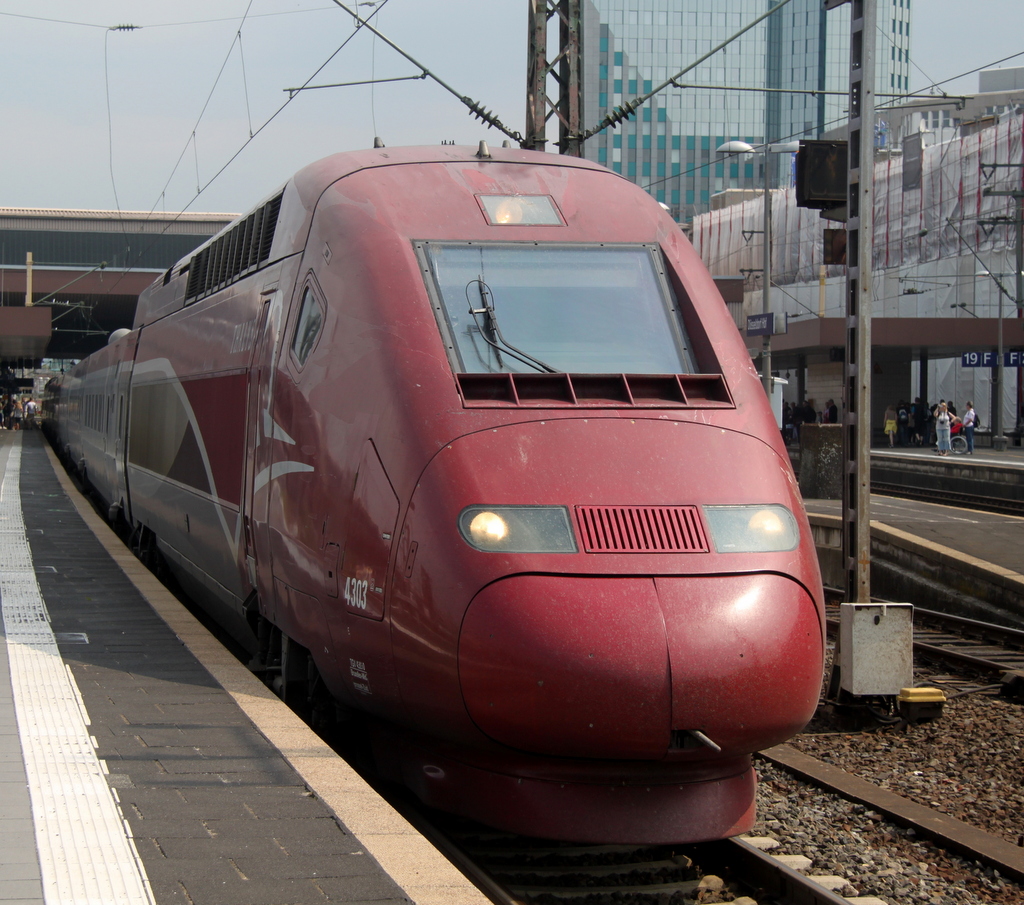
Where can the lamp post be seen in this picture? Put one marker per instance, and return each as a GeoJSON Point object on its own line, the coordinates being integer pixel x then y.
{"type": "Point", "coordinates": [742, 147]}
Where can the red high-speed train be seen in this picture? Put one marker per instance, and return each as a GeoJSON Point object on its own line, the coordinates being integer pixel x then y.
{"type": "Point", "coordinates": [468, 441]}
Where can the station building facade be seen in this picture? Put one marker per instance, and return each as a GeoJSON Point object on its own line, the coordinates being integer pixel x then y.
{"type": "Point", "coordinates": [69, 278]}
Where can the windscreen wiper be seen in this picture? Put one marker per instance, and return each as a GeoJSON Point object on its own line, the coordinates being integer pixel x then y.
{"type": "Point", "coordinates": [491, 332]}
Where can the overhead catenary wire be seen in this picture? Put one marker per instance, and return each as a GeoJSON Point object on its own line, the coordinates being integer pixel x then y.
{"type": "Point", "coordinates": [275, 114]}
{"type": "Point", "coordinates": [110, 125]}
{"type": "Point", "coordinates": [475, 107]}
{"type": "Point", "coordinates": [953, 78]}
{"type": "Point", "coordinates": [245, 81]}
{"type": "Point", "coordinates": [98, 25]}
{"type": "Point", "coordinates": [200, 188]}
{"type": "Point", "coordinates": [192, 137]}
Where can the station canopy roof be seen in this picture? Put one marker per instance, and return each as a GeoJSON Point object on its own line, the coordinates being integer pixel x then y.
{"type": "Point", "coordinates": [81, 301]}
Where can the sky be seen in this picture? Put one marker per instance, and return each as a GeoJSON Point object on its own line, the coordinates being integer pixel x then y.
{"type": "Point", "coordinates": [189, 110]}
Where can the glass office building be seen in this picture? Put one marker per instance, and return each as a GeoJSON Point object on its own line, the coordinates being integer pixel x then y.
{"type": "Point", "coordinates": [668, 146]}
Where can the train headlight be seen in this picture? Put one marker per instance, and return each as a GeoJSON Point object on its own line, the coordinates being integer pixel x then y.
{"type": "Point", "coordinates": [518, 529]}
{"type": "Point", "coordinates": [520, 210]}
{"type": "Point", "coordinates": [752, 529]}
{"type": "Point", "coordinates": [487, 529]}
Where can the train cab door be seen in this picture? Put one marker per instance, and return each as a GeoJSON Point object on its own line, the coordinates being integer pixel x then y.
{"type": "Point", "coordinates": [122, 403]}
{"type": "Point", "coordinates": [259, 442]}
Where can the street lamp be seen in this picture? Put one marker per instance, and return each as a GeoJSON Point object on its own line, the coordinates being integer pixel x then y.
{"type": "Point", "coordinates": [742, 147]}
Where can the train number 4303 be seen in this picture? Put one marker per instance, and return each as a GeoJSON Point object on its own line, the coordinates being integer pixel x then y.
{"type": "Point", "coordinates": [355, 593]}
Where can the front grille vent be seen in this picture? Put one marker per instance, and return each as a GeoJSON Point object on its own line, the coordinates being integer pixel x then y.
{"type": "Point", "coordinates": [641, 529]}
{"type": "Point", "coordinates": [594, 390]}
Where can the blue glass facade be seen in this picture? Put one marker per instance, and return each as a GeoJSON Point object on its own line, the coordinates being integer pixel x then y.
{"type": "Point", "coordinates": [669, 146]}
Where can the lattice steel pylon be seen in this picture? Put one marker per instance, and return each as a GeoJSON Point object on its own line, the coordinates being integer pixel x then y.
{"type": "Point", "coordinates": [566, 69]}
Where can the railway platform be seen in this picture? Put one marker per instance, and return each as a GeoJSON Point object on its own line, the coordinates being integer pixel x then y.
{"type": "Point", "coordinates": [140, 762]}
{"type": "Point", "coordinates": [982, 536]}
{"type": "Point", "coordinates": [954, 560]}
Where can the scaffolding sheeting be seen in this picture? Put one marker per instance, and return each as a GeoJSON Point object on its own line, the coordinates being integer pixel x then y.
{"type": "Point", "coordinates": [911, 224]}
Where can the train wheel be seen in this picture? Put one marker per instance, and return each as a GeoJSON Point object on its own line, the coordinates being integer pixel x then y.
{"type": "Point", "coordinates": [143, 544]}
{"type": "Point", "coordinates": [292, 683]}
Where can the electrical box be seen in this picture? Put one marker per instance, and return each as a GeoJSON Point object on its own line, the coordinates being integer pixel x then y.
{"type": "Point", "coordinates": [918, 705]}
{"type": "Point", "coordinates": [876, 648]}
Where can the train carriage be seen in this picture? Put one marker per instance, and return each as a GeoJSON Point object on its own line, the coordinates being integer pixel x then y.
{"type": "Point", "coordinates": [469, 438]}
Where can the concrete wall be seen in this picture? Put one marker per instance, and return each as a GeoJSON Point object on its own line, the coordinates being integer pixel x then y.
{"type": "Point", "coordinates": [821, 461]}
{"type": "Point", "coordinates": [911, 570]}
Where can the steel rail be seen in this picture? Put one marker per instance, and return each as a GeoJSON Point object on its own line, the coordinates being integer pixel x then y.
{"type": "Point", "coordinates": [948, 832]}
{"type": "Point", "coordinates": [754, 869]}
{"type": "Point", "coordinates": [972, 632]}
{"type": "Point", "coordinates": [950, 498]}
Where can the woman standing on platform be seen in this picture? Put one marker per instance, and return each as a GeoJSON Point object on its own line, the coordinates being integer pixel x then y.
{"type": "Point", "coordinates": [890, 425]}
{"type": "Point", "coordinates": [970, 421]}
{"type": "Point", "coordinates": [943, 422]}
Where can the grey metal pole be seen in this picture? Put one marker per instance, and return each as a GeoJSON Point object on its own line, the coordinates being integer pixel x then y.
{"type": "Point", "coordinates": [998, 442]}
{"type": "Point", "coordinates": [857, 367]}
{"type": "Point", "coordinates": [1019, 300]}
{"type": "Point", "coordinates": [998, 439]}
{"type": "Point", "coordinates": [766, 278]}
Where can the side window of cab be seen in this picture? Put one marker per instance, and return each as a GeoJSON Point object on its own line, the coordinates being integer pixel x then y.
{"type": "Point", "coordinates": [307, 327]}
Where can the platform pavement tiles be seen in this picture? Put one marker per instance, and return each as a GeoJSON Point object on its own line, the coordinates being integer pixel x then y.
{"type": "Point", "coordinates": [226, 798]}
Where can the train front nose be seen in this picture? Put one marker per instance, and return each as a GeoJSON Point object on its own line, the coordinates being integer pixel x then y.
{"type": "Point", "coordinates": [632, 668]}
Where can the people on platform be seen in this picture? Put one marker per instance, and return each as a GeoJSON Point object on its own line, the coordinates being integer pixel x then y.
{"type": "Point", "coordinates": [902, 423]}
{"type": "Point", "coordinates": [970, 422]}
{"type": "Point", "coordinates": [810, 413]}
{"type": "Point", "coordinates": [889, 427]}
{"type": "Point", "coordinates": [943, 423]}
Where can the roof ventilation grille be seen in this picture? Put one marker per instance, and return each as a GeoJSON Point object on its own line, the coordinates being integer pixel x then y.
{"type": "Point", "coordinates": [233, 254]}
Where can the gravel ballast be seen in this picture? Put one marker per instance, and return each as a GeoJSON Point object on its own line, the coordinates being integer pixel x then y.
{"type": "Point", "coordinates": [967, 764]}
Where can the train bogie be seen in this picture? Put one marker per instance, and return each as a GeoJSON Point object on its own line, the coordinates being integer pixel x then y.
{"type": "Point", "coordinates": [473, 440]}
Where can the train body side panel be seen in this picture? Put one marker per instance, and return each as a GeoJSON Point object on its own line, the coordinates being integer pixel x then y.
{"type": "Point", "coordinates": [187, 437]}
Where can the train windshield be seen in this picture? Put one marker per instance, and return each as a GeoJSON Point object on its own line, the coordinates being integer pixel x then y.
{"type": "Point", "coordinates": [581, 309]}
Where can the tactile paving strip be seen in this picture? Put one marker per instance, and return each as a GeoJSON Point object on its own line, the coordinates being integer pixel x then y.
{"type": "Point", "coordinates": [86, 854]}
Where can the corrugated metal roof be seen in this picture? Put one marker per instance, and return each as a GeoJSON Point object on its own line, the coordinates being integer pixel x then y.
{"type": "Point", "coordinates": [113, 221]}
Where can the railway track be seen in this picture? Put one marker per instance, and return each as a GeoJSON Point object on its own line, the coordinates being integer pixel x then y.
{"type": "Point", "coordinates": [967, 644]}
{"type": "Point", "coordinates": [980, 646]}
{"type": "Point", "coordinates": [518, 870]}
{"type": "Point", "coordinates": [950, 498]}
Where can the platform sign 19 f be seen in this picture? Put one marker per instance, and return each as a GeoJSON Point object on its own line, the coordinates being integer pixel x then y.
{"type": "Point", "coordinates": [1014, 359]}
{"type": "Point", "coordinates": [978, 359]}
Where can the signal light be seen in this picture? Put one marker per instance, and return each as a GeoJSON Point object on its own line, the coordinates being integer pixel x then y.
{"type": "Point", "coordinates": [822, 174]}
